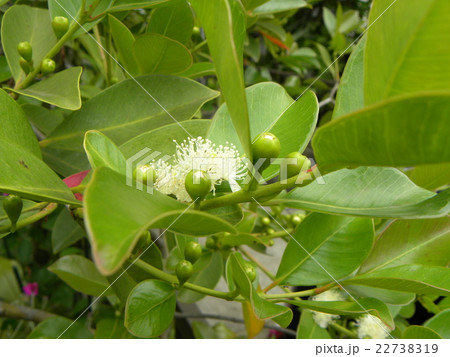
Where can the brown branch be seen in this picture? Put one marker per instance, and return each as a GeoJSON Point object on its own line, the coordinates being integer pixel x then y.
{"type": "Point", "coordinates": [23, 312]}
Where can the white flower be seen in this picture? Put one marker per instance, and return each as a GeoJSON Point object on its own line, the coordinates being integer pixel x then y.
{"type": "Point", "coordinates": [322, 319]}
{"type": "Point", "coordinates": [372, 327]}
{"type": "Point", "coordinates": [220, 162]}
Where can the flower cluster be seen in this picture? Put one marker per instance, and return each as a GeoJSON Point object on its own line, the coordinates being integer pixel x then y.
{"type": "Point", "coordinates": [220, 162]}
{"type": "Point", "coordinates": [322, 319]}
{"type": "Point", "coordinates": [370, 326]}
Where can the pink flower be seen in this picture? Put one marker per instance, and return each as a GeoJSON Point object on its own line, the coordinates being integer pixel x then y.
{"type": "Point", "coordinates": [275, 334]}
{"type": "Point", "coordinates": [31, 289]}
{"type": "Point", "coordinates": [74, 181]}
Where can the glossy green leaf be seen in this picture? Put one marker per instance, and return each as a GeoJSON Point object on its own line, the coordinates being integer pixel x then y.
{"type": "Point", "coordinates": [5, 72]}
{"type": "Point", "coordinates": [419, 279]}
{"type": "Point", "coordinates": [65, 232]}
{"type": "Point", "coordinates": [431, 177]}
{"type": "Point", "coordinates": [43, 119]}
{"type": "Point", "coordinates": [102, 152]}
{"type": "Point", "coordinates": [27, 176]}
{"type": "Point", "coordinates": [411, 242]}
{"type": "Point", "coordinates": [157, 54]}
{"type": "Point", "coordinates": [122, 112]}
{"type": "Point", "coordinates": [350, 95]}
{"type": "Point", "coordinates": [419, 332]}
{"type": "Point", "coordinates": [130, 213]}
{"type": "Point", "coordinates": [402, 131]}
{"type": "Point", "coordinates": [175, 21]}
{"type": "Point", "coordinates": [274, 6]}
{"type": "Point", "coordinates": [439, 323]}
{"type": "Point", "coordinates": [224, 24]}
{"type": "Point", "coordinates": [9, 288]}
{"type": "Point", "coordinates": [15, 128]}
{"type": "Point", "coordinates": [150, 308]}
{"type": "Point", "coordinates": [124, 5]}
{"type": "Point", "coordinates": [391, 297]}
{"type": "Point", "coordinates": [162, 139]}
{"type": "Point", "coordinates": [81, 274]}
{"type": "Point", "coordinates": [61, 89]}
{"type": "Point", "coordinates": [199, 69]}
{"type": "Point", "coordinates": [271, 109]}
{"type": "Point", "coordinates": [325, 248]}
{"type": "Point", "coordinates": [111, 328]}
{"type": "Point", "coordinates": [25, 23]}
{"type": "Point", "coordinates": [405, 51]}
{"type": "Point", "coordinates": [123, 42]}
{"type": "Point", "coordinates": [350, 308]}
{"type": "Point", "coordinates": [208, 276]}
{"type": "Point", "coordinates": [251, 4]}
{"type": "Point", "coordinates": [307, 328]}
{"type": "Point", "coordinates": [263, 309]}
{"type": "Point", "coordinates": [60, 327]}
{"type": "Point", "coordinates": [371, 192]}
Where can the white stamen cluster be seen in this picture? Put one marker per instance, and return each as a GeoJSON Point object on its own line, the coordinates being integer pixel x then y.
{"type": "Point", "coordinates": [220, 162]}
{"type": "Point", "coordinates": [370, 326]}
{"type": "Point", "coordinates": [322, 319]}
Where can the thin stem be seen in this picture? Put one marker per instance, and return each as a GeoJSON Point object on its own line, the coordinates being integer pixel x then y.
{"type": "Point", "coordinates": [47, 210]}
{"type": "Point", "coordinates": [23, 312]}
{"type": "Point", "coordinates": [343, 330]}
{"type": "Point", "coordinates": [199, 45]}
{"type": "Point", "coordinates": [290, 294]}
{"type": "Point", "coordinates": [102, 53]}
{"type": "Point", "coordinates": [172, 279]}
{"type": "Point", "coordinates": [429, 305]}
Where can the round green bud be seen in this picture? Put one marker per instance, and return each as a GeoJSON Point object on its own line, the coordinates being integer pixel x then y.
{"type": "Point", "coordinates": [114, 80]}
{"type": "Point", "coordinates": [25, 50]}
{"type": "Point", "coordinates": [211, 243]}
{"type": "Point", "coordinates": [302, 164]}
{"type": "Point", "coordinates": [184, 270]}
{"type": "Point", "coordinates": [270, 231]}
{"type": "Point", "coordinates": [145, 174]}
{"type": "Point", "coordinates": [265, 221]}
{"type": "Point", "coordinates": [47, 66]}
{"type": "Point", "coordinates": [13, 205]}
{"type": "Point", "coordinates": [271, 243]}
{"type": "Point", "coordinates": [197, 184]}
{"type": "Point", "coordinates": [60, 25]}
{"type": "Point", "coordinates": [25, 65]}
{"type": "Point", "coordinates": [192, 251]}
{"type": "Point", "coordinates": [196, 31]}
{"type": "Point", "coordinates": [250, 271]}
{"type": "Point", "coordinates": [266, 146]}
{"type": "Point", "coordinates": [296, 220]}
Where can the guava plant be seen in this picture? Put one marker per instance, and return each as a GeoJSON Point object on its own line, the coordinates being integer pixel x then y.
{"type": "Point", "coordinates": [143, 171]}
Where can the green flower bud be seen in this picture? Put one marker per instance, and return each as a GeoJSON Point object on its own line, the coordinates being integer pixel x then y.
{"type": "Point", "coordinates": [302, 164]}
{"type": "Point", "coordinates": [197, 184]}
{"type": "Point", "coordinates": [25, 65]}
{"type": "Point", "coordinates": [266, 146]}
{"type": "Point", "coordinates": [145, 174]}
{"type": "Point", "coordinates": [192, 251]}
{"type": "Point", "coordinates": [184, 270]}
{"type": "Point", "coordinates": [60, 25]}
{"type": "Point", "coordinates": [13, 207]}
{"type": "Point", "coordinates": [25, 50]}
{"type": "Point", "coordinates": [47, 66]}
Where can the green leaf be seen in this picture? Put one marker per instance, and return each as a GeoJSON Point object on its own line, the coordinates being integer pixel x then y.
{"type": "Point", "coordinates": [65, 232]}
{"type": "Point", "coordinates": [130, 213]}
{"type": "Point", "coordinates": [5, 72]}
{"type": "Point", "coordinates": [419, 332]}
{"type": "Point", "coordinates": [439, 323]}
{"type": "Point", "coordinates": [403, 131]}
{"type": "Point", "coordinates": [224, 24]}
{"type": "Point", "coordinates": [411, 242]}
{"type": "Point", "coordinates": [9, 288]}
{"type": "Point", "coordinates": [23, 23]}
{"type": "Point", "coordinates": [15, 128]}
{"type": "Point", "coordinates": [162, 138]}
{"type": "Point", "coordinates": [350, 308]}
{"type": "Point", "coordinates": [405, 52]}
{"type": "Point", "coordinates": [430, 177]}
{"type": "Point", "coordinates": [81, 274]}
{"type": "Point", "coordinates": [150, 308]}
{"type": "Point", "coordinates": [397, 298]}
{"type": "Point", "coordinates": [123, 41]}
{"type": "Point", "coordinates": [274, 6]}
{"type": "Point", "coordinates": [60, 327]}
{"type": "Point", "coordinates": [45, 120]}
{"type": "Point", "coordinates": [263, 309]}
{"type": "Point", "coordinates": [350, 96]}
{"type": "Point", "coordinates": [419, 279]}
{"type": "Point", "coordinates": [325, 248]}
{"type": "Point", "coordinates": [368, 191]}
{"type": "Point", "coordinates": [208, 276]}
{"type": "Point", "coordinates": [157, 54]}
{"type": "Point", "coordinates": [102, 152]}
{"type": "Point", "coordinates": [308, 329]}
{"type": "Point", "coordinates": [124, 5]}
{"type": "Point", "coordinates": [111, 328]}
{"type": "Point", "coordinates": [199, 69]}
{"type": "Point", "coordinates": [174, 21]}
{"type": "Point", "coordinates": [122, 112]}
{"type": "Point", "coordinates": [25, 175]}
{"type": "Point", "coordinates": [271, 109]}
{"type": "Point", "coordinates": [61, 89]}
